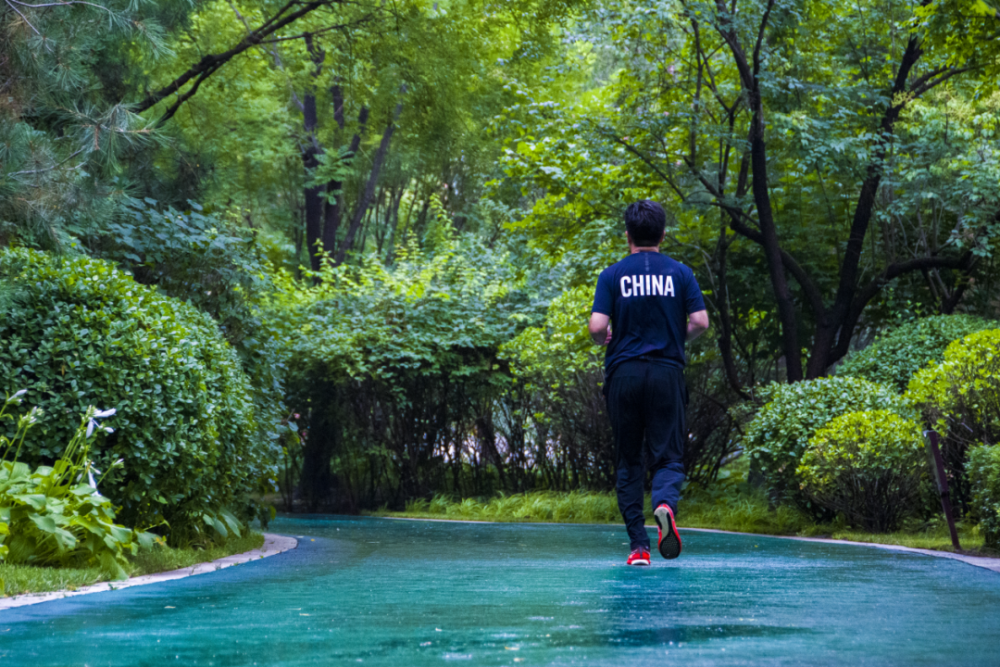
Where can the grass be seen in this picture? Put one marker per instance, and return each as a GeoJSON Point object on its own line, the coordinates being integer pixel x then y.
{"type": "Point", "coordinates": [18, 579]}
{"type": "Point", "coordinates": [731, 506]}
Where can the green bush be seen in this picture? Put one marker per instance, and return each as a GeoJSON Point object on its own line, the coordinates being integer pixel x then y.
{"type": "Point", "coordinates": [55, 514]}
{"type": "Point", "coordinates": [895, 357]}
{"type": "Point", "coordinates": [960, 398]}
{"type": "Point", "coordinates": [78, 332]}
{"type": "Point", "coordinates": [388, 367]}
{"type": "Point", "coordinates": [215, 263]}
{"type": "Point", "coordinates": [984, 475]}
{"type": "Point", "coordinates": [779, 433]}
{"type": "Point", "coordinates": [961, 395]}
{"type": "Point", "coordinates": [869, 466]}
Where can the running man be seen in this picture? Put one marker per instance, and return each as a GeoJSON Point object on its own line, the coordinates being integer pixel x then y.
{"type": "Point", "coordinates": [653, 304]}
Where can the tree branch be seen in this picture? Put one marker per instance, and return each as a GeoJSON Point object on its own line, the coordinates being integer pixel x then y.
{"type": "Point", "coordinates": [866, 198]}
{"type": "Point", "coordinates": [211, 63]}
{"type": "Point", "coordinates": [961, 263]}
{"type": "Point", "coordinates": [760, 38]}
{"type": "Point", "coordinates": [369, 191]}
{"type": "Point", "coordinates": [23, 18]}
{"type": "Point", "coordinates": [736, 215]}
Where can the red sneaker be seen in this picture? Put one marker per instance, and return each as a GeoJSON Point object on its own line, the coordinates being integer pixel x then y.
{"type": "Point", "coordinates": [670, 541]}
{"type": "Point", "coordinates": [638, 556]}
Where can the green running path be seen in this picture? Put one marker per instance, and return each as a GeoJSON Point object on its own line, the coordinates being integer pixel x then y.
{"type": "Point", "coordinates": [406, 593]}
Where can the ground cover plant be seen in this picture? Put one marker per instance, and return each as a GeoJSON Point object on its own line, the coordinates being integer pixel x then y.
{"type": "Point", "coordinates": [20, 579]}
{"type": "Point", "coordinates": [736, 508]}
{"type": "Point", "coordinates": [55, 515]}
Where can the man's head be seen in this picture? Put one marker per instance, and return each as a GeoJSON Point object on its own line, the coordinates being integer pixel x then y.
{"type": "Point", "coordinates": [645, 223]}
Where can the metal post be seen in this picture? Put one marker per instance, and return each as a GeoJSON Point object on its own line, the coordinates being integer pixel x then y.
{"type": "Point", "coordinates": [942, 484]}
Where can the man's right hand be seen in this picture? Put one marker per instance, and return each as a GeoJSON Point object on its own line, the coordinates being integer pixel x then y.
{"type": "Point", "coordinates": [697, 324]}
{"type": "Point", "coordinates": [599, 328]}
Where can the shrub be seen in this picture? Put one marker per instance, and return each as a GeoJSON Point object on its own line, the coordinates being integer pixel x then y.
{"type": "Point", "coordinates": [558, 372]}
{"type": "Point", "coordinates": [960, 397]}
{"type": "Point", "coordinates": [984, 475]}
{"type": "Point", "coordinates": [394, 372]}
{"type": "Point", "coordinates": [215, 263]}
{"type": "Point", "coordinates": [869, 466]}
{"type": "Point", "coordinates": [55, 515]}
{"type": "Point", "coordinates": [895, 357]}
{"type": "Point", "coordinates": [780, 431]}
{"type": "Point", "coordinates": [77, 332]}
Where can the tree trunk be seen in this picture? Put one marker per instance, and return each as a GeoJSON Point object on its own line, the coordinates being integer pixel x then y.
{"type": "Point", "coordinates": [366, 196]}
{"type": "Point", "coordinates": [333, 212]}
{"type": "Point", "coordinates": [772, 247]}
{"type": "Point", "coordinates": [725, 336]}
{"type": "Point", "coordinates": [310, 160]}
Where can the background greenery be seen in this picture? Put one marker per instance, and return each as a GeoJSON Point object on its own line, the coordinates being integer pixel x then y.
{"type": "Point", "coordinates": [340, 256]}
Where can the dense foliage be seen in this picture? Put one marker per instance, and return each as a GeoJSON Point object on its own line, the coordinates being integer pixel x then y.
{"type": "Point", "coordinates": [558, 375]}
{"type": "Point", "coordinates": [896, 356]}
{"type": "Point", "coordinates": [984, 474]}
{"type": "Point", "coordinates": [960, 398]}
{"type": "Point", "coordinates": [214, 263]}
{"type": "Point", "coordinates": [78, 332]}
{"type": "Point", "coordinates": [868, 466]}
{"type": "Point", "coordinates": [395, 373]}
{"type": "Point", "coordinates": [386, 220]}
{"type": "Point", "coordinates": [961, 395]}
{"type": "Point", "coordinates": [780, 432]}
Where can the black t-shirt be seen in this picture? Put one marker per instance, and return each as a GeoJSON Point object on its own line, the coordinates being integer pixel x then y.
{"type": "Point", "coordinates": [648, 297]}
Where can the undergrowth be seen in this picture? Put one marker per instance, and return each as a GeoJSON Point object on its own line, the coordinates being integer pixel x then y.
{"type": "Point", "coordinates": [18, 579]}
{"type": "Point", "coordinates": [726, 506]}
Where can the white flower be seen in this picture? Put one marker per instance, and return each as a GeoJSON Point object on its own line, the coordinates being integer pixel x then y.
{"type": "Point", "coordinates": [101, 414]}
{"type": "Point", "coordinates": [20, 393]}
{"type": "Point", "coordinates": [91, 425]}
{"type": "Point", "coordinates": [90, 477]}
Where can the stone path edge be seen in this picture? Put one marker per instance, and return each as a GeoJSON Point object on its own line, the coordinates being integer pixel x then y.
{"type": "Point", "coordinates": [977, 561]}
{"type": "Point", "coordinates": [273, 545]}
{"type": "Point", "coordinates": [984, 562]}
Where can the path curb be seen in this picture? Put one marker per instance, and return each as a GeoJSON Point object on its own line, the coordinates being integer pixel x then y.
{"type": "Point", "coordinates": [977, 561]}
{"type": "Point", "coordinates": [273, 545]}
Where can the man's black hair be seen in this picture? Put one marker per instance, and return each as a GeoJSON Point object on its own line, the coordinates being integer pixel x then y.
{"type": "Point", "coordinates": [645, 222]}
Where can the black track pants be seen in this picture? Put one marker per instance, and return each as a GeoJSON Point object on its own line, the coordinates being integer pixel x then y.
{"type": "Point", "coordinates": [646, 404]}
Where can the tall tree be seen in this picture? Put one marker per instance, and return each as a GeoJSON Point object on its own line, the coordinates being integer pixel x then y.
{"type": "Point", "coordinates": [802, 127]}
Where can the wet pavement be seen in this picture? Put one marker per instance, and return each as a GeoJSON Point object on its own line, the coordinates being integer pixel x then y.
{"type": "Point", "coordinates": [405, 593]}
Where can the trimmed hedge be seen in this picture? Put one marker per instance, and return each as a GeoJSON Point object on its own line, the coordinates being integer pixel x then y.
{"type": "Point", "coordinates": [780, 432]}
{"type": "Point", "coordinates": [895, 357]}
{"type": "Point", "coordinates": [77, 332]}
{"type": "Point", "coordinates": [869, 466]}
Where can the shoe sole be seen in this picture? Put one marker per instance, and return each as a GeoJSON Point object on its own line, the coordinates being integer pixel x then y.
{"type": "Point", "coordinates": [670, 541]}
{"type": "Point", "coordinates": [642, 561]}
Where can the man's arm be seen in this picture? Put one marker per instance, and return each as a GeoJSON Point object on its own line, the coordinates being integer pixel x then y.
{"type": "Point", "coordinates": [600, 328]}
{"type": "Point", "coordinates": [697, 324]}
